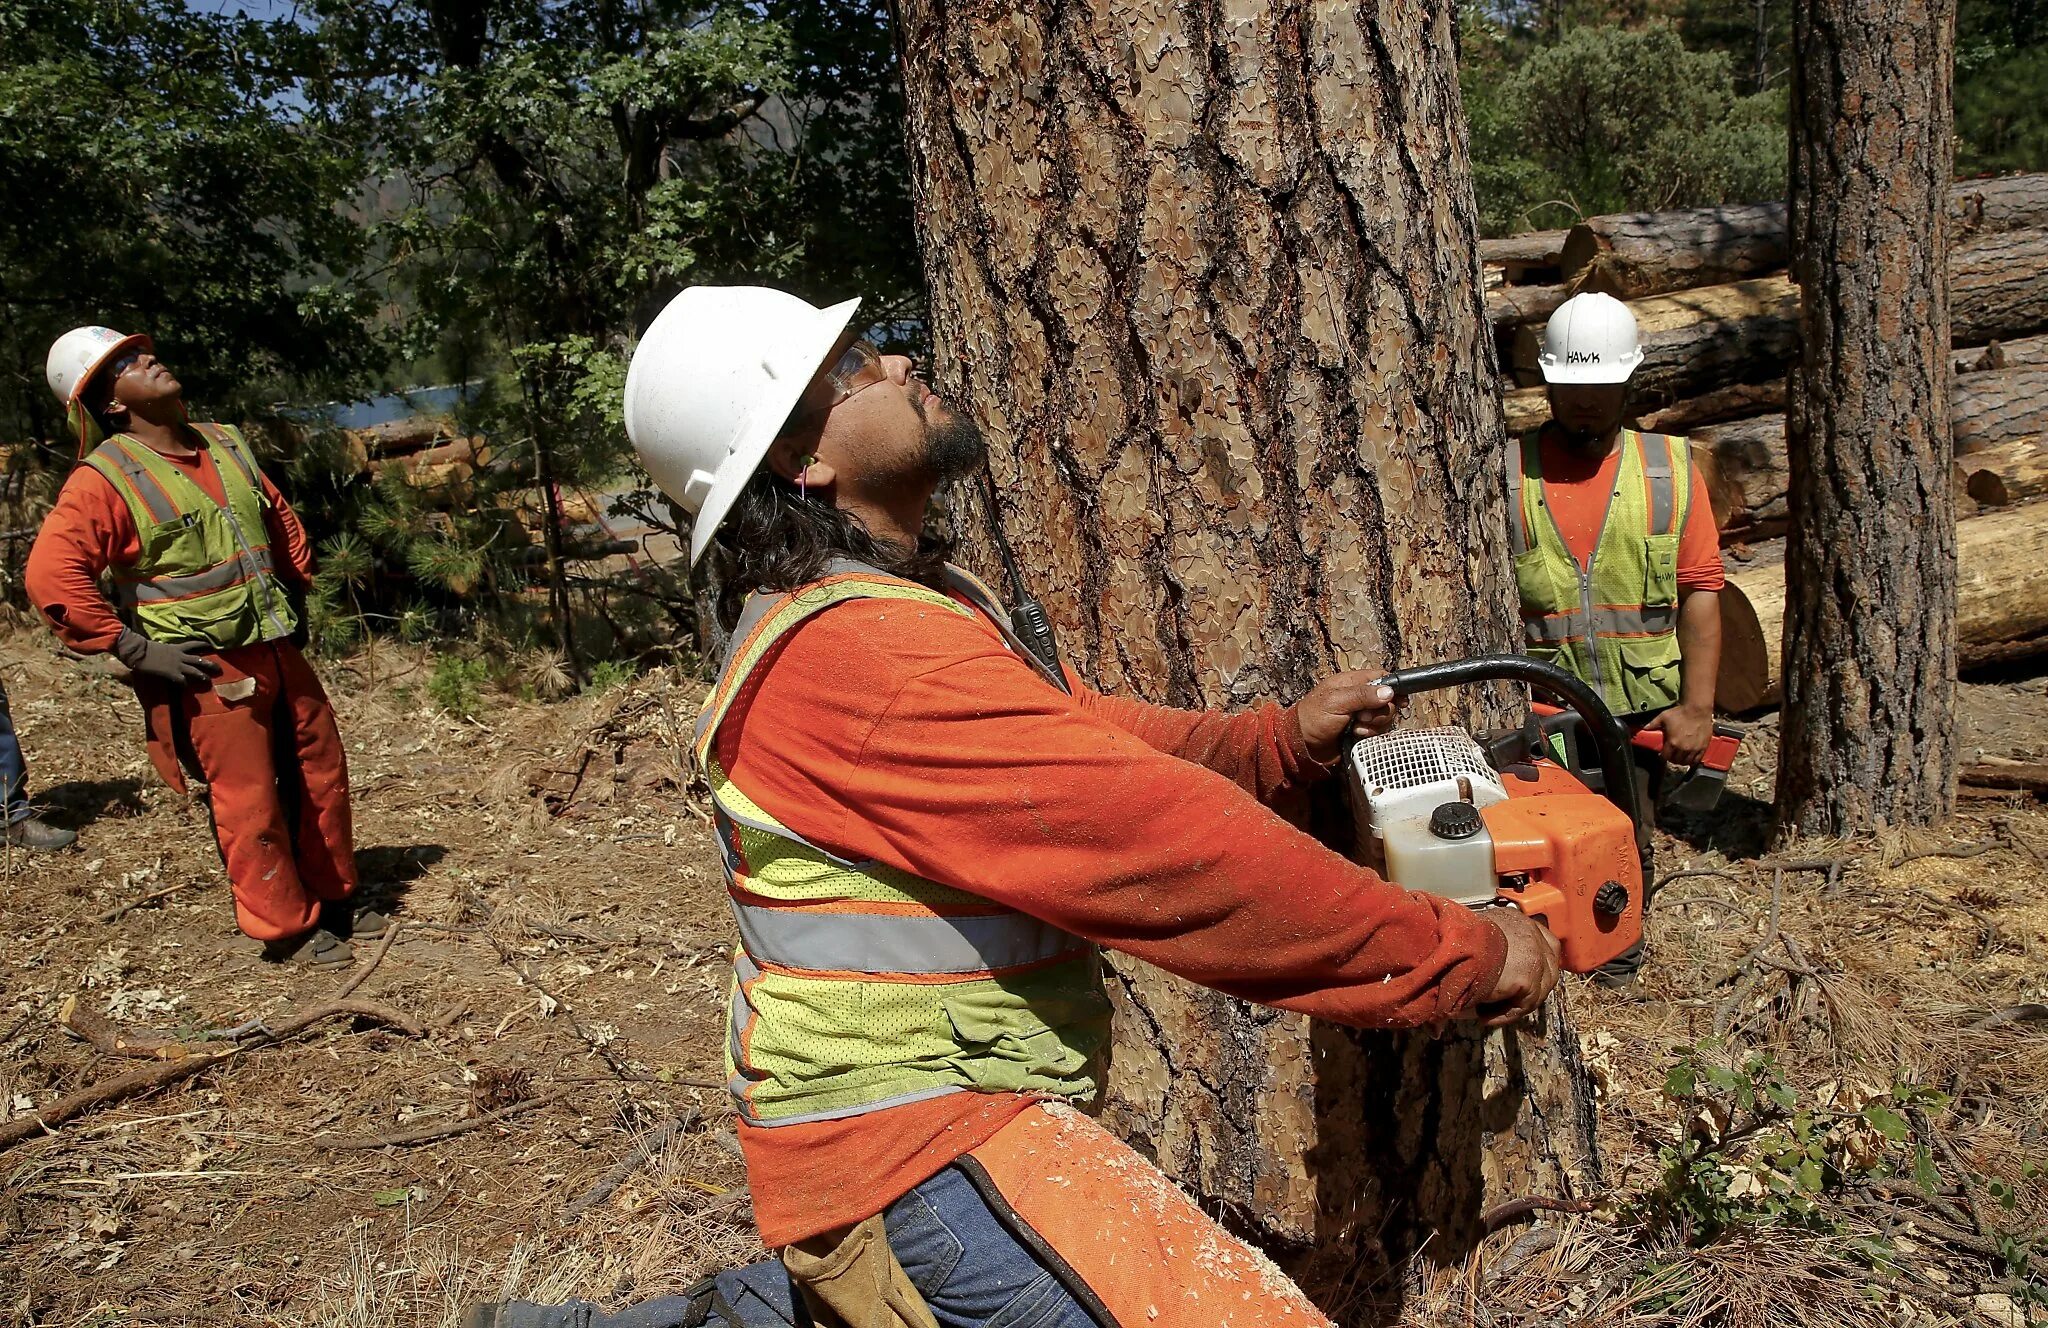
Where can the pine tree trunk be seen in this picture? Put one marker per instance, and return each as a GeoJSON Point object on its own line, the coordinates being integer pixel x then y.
{"type": "Point", "coordinates": [1870, 606]}
{"type": "Point", "coordinates": [1207, 273]}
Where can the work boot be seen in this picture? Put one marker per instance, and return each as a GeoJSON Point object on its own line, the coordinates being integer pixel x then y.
{"type": "Point", "coordinates": [318, 948]}
{"type": "Point", "coordinates": [357, 922]}
{"type": "Point", "coordinates": [35, 833]}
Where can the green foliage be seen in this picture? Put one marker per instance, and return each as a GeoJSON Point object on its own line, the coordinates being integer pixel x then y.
{"type": "Point", "coordinates": [2001, 86]}
{"type": "Point", "coordinates": [1752, 1150]}
{"type": "Point", "coordinates": [457, 685]}
{"type": "Point", "coordinates": [179, 171]}
{"type": "Point", "coordinates": [607, 675]}
{"type": "Point", "coordinates": [1612, 119]}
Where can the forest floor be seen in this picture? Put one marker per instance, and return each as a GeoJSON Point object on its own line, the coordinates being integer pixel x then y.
{"type": "Point", "coordinates": [560, 959]}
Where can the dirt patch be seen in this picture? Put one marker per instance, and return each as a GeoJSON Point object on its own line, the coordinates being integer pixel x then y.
{"type": "Point", "coordinates": [580, 951]}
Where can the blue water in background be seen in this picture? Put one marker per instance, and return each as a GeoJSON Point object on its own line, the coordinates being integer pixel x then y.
{"type": "Point", "coordinates": [384, 409]}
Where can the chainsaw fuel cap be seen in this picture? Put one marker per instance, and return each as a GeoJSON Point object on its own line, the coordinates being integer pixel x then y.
{"type": "Point", "coordinates": [1455, 820]}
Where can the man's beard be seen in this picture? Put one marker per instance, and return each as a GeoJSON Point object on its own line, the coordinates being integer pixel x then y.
{"type": "Point", "coordinates": [953, 446]}
{"type": "Point", "coordinates": [1586, 441]}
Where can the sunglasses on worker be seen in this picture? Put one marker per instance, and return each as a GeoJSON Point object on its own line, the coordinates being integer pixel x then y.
{"type": "Point", "coordinates": [856, 367]}
{"type": "Point", "coordinates": [123, 363]}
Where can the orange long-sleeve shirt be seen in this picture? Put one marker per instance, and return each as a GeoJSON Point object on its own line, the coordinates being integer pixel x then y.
{"type": "Point", "coordinates": [1577, 492]}
{"type": "Point", "coordinates": [914, 737]}
{"type": "Point", "coordinates": [90, 530]}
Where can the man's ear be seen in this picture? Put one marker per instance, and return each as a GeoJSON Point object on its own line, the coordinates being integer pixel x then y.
{"type": "Point", "coordinates": [793, 457]}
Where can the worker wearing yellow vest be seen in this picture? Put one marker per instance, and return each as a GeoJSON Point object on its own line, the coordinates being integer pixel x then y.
{"type": "Point", "coordinates": [928, 829]}
{"type": "Point", "coordinates": [208, 567]}
{"type": "Point", "coordinates": [1616, 556]}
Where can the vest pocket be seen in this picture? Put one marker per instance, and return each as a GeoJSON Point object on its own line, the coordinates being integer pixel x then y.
{"type": "Point", "coordinates": [1649, 672]}
{"type": "Point", "coordinates": [1538, 581]}
{"type": "Point", "coordinates": [1660, 570]}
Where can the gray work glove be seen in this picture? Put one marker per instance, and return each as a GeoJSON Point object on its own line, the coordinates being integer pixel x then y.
{"type": "Point", "coordinates": [181, 664]}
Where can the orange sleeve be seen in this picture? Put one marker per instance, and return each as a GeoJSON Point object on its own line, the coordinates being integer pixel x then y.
{"type": "Point", "coordinates": [87, 532]}
{"type": "Point", "coordinates": [287, 534]}
{"type": "Point", "coordinates": [922, 742]}
{"type": "Point", "coordinates": [1260, 750]}
{"type": "Point", "coordinates": [1699, 544]}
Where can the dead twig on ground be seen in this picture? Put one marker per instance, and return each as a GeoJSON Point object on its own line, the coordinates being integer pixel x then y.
{"type": "Point", "coordinates": [403, 1138]}
{"type": "Point", "coordinates": [109, 1040]}
{"type": "Point", "coordinates": [1976, 850]}
{"type": "Point", "coordinates": [133, 904]}
{"type": "Point", "coordinates": [645, 1151]}
{"type": "Point", "coordinates": [170, 1071]}
{"type": "Point", "coordinates": [597, 1045]}
{"type": "Point", "coordinates": [362, 975]}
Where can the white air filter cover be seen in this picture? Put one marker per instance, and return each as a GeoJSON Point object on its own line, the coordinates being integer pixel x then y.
{"type": "Point", "coordinates": [1411, 772]}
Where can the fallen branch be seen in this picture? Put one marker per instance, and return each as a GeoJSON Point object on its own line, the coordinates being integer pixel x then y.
{"type": "Point", "coordinates": [2011, 1014]}
{"type": "Point", "coordinates": [109, 1040]}
{"type": "Point", "coordinates": [1521, 1210]}
{"type": "Point", "coordinates": [403, 1138]}
{"type": "Point", "coordinates": [643, 1152]}
{"type": "Point", "coordinates": [146, 1078]}
{"type": "Point", "coordinates": [134, 904]}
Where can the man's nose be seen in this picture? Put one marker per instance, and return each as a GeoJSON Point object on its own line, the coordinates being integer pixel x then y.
{"type": "Point", "coordinates": [900, 367]}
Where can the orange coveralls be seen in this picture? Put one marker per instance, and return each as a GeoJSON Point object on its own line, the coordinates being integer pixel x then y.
{"type": "Point", "coordinates": [272, 760]}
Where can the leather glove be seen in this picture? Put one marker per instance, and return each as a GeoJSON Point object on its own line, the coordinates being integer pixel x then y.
{"type": "Point", "coordinates": [181, 664]}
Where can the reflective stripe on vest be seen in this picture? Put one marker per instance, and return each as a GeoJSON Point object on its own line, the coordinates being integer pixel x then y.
{"type": "Point", "coordinates": [859, 986]}
{"type": "Point", "coordinates": [1613, 620]}
{"type": "Point", "coordinates": [206, 571]}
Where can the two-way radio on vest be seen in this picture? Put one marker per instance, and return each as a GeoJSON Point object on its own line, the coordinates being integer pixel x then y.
{"type": "Point", "coordinates": [1027, 615]}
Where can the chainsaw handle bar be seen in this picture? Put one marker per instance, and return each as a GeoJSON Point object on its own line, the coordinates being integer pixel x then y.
{"type": "Point", "coordinates": [1560, 686]}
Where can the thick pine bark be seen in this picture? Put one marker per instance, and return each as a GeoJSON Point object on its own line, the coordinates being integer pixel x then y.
{"type": "Point", "coordinates": [1207, 273]}
{"type": "Point", "coordinates": [1870, 619]}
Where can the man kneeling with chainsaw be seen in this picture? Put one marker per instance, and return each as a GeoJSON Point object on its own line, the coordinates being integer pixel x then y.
{"type": "Point", "coordinates": [928, 832]}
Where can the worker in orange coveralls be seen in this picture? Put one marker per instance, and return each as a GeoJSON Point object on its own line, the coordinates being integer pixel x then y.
{"type": "Point", "coordinates": [209, 568]}
{"type": "Point", "coordinates": [928, 828]}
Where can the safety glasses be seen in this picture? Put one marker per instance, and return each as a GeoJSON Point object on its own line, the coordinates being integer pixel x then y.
{"type": "Point", "coordinates": [857, 367]}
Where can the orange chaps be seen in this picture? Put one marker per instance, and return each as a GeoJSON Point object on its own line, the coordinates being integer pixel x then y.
{"type": "Point", "coordinates": [1150, 1258]}
{"type": "Point", "coordinates": [262, 737]}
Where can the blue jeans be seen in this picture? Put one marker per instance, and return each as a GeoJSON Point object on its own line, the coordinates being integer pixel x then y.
{"type": "Point", "coordinates": [13, 770]}
{"type": "Point", "coordinates": [972, 1270]}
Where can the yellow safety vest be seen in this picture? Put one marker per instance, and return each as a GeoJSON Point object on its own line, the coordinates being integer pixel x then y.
{"type": "Point", "coordinates": [207, 572]}
{"type": "Point", "coordinates": [858, 986]}
{"type": "Point", "coordinates": [1613, 621]}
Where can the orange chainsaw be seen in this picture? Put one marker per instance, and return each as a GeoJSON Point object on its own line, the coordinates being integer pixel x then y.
{"type": "Point", "coordinates": [1504, 824]}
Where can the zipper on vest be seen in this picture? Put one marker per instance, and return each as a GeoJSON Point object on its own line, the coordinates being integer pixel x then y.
{"type": "Point", "coordinates": [1586, 607]}
{"type": "Point", "coordinates": [248, 558]}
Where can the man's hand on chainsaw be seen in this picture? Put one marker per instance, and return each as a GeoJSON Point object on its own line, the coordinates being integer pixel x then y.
{"type": "Point", "coordinates": [1341, 708]}
{"type": "Point", "coordinates": [1687, 731]}
{"type": "Point", "coordinates": [1527, 976]}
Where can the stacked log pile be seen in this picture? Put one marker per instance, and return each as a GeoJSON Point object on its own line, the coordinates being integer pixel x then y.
{"type": "Point", "coordinates": [429, 451]}
{"type": "Point", "coordinates": [1719, 319]}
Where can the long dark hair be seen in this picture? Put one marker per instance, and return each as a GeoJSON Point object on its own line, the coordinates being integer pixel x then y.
{"type": "Point", "coordinates": [777, 539]}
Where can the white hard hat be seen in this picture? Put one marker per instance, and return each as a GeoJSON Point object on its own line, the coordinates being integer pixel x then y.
{"type": "Point", "coordinates": [711, 385]}
{"type": "Point", "coordinates": [1590, 339]}
{"type": "Point", "coordinates": [77, 355]}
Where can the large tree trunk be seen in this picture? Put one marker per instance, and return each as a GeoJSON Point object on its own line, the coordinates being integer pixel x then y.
{"type": "Point", "coordinates": [2001, 604]}
{"type": "Point", "coordinates": [1208, 275]}
{"type": "Point", "coordinates": [1868, 737]}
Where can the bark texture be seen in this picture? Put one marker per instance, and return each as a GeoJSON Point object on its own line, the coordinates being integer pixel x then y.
{"type": "Point", "coordinates": [2021, 352]}
{"type": "Point", "coordinates": [1870, 618]}
{"type": "Point", "coordinates": [1207, 273]}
